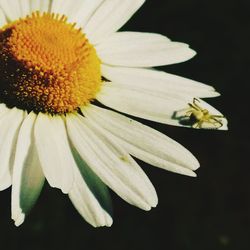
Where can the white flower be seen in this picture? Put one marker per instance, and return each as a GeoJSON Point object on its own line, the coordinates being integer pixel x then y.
{"type": "Point", "coordinates": [49, 127]}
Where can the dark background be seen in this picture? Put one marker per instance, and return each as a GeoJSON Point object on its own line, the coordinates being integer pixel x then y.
{"type": "Point", "coordinates": [211, 212]}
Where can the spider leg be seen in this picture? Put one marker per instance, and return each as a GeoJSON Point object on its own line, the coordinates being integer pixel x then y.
{"type": "Point", "coordinates": [200, 124]}
{"type": "Point", "coordinates": [195, 100]}
{"type": "Point", "coordinates": [198, 107]}
{"type": "Point", "coordinates": [194, 106]}
{"type": "Point", "coordinates": [217, 121]}
{"type": "Point", "coordinates": [197, 124]}
{"type": "Point", "coordinates": [194, 125]}
{"type": "Point", "coordinates": [219, 116]}
{"type": "Point", "coordinates": [188, 113]}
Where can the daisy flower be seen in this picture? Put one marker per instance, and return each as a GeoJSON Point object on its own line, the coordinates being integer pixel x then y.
{"type": "Point", "coordinates": [67, 74]}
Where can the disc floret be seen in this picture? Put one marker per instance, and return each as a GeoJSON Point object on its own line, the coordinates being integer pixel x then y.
{"type": "Point", "coordinates": [47, 65]}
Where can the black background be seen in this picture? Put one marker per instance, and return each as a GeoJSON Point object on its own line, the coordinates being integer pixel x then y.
{"type": "Point", "coordinates": [211, 212]}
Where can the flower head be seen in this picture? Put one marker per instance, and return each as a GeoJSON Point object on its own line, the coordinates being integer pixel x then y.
{"type": "Point", "coordinates": [57, 58]}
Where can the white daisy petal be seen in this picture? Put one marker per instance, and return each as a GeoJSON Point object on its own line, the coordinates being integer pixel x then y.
{"type": "Point", "coordinates": [3, 110]}
{"type": "Point", "coordinates": [35, 5]}
{"type": "Point", "coordinates": [11, 8]}
{"type": "Point", "coordinates": [221, 120]}
{"type": "Point", "coordinates": [143, 142]}
{"type": "Point", "coordinates": [57, 6]}
{"type": "Point", "coordinates": [40, 5]}
{"type": "Point", "coordinates": [87, 205]}
{"type": "Point", "coordinates": [54, 151]}
{"type": "Point", "coordinates": [77, 11]}
{"type": "Point", "coordinates": [10, 123]}
{"type": "Point", "coordinates": [159, 82]}
{"type": "Point", "coordinates": [85, 11]}
{"type": "Point", "coordinates": [3, 20]}
{"type": "Point", "coordinates": [170, 109]}
{"type": "Point", "coordinates": [111, 169]}
{"type": "Point", "coordinates": [90, 196]}
{"type": "Point", "coordinates": [24, 7]}
{"type": "Point", "coordinates": [110, 17]}
{"type": "Point", "coordinates": [45, 5]}
{"type": "Point", "coordinates": [28, 178]}
{"type": "Point", "coordinates": [72, 9]}
{"type": "Point", "coordinates": [114, 145]}
{"type": "Point", "coordinates": [63, 6]}
{"type": "Point", "coordinates": [140, 104]}
{"type": "Point", "coordinates": [135, 49]}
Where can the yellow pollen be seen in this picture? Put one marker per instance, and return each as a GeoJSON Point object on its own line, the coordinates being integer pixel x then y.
{"type": "Point", "coordinates": [47, 65]}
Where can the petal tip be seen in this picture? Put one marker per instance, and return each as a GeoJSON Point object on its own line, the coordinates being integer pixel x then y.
{"type": "Point", "coordinates": [193, 175]}
{"type": "Point", "coordinates": [20, 219]}
{"type": "Point", "coordinates": [155, 204]}
{"type": "Point", "coordinates": [191, 53]}
{"type": "Point", "coordinates": [108, 223]}
{"type": "Point", "coordinates": [196, 165]}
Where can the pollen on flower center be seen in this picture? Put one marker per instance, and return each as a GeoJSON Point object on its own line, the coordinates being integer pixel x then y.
{"type": "Point", "coordinates": [47, 65]}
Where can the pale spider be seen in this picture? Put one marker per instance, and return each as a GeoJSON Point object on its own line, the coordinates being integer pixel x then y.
{"type": "Point", "coordinates": [198, 116]}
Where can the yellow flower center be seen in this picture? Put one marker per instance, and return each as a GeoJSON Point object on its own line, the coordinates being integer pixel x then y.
{"type": "Point", "coordinates": [47, 65]}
